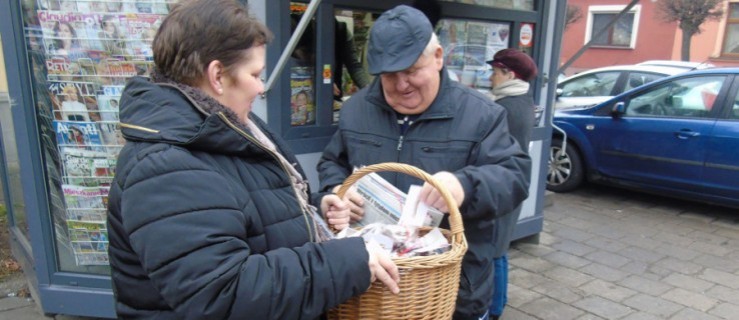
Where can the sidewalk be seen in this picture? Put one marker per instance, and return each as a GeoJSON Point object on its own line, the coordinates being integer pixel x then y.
{"type": "Point", "coordinates": [606, 253]}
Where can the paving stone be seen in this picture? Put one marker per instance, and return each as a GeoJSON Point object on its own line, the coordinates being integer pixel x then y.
{"type": "Point", "coordinates": [23, 313]}
{"type": "Point", "coordinates": [640, 254]}
{"type": "Point", "coordinates": [603, 308]}
{"type": "Point", "coordinates": [720, 277]}
{"type": "Point", "coordinates": [607, 290]}
{"type": "Point", "coordinates": [642, 241]}
{"type": "Point", "coordinates": [642, 316]}
{"type": "Point", "coordinates": [533, 264]}
{"type": "Point", "coordinates": [719, 263]}
{"type": "Point", "coordinates": [548, 240]}
{"type": "Point", "coordinates": [578, 223]}
{"type": "Point", "coordinates": [525, 279]}
{"type": "Point", "coordinates": [716, 250]}
{"type": "Point", "coordinates": [607, 244]}
{"type": "Point", "coordinates": [518, 296]}
{"type": "Point", "coordinates": [654, 305]}
{"type": "Point", "coordinates": [669, 236]}
{"type": "Point", "coordinates": [677, 251]}
{"type": "Point", "coordinates": [573, 234]}
{"type": "Point", "coordinates": [532, 249]}
{"type": "Point", "coordinates": [724, 294]}
{"type": "Point", "coordinates": [690, 314]}
{"type": "Point", "coordinates": [697, 217]}
{"type": "Point", "coordinates": [515, 314]}
{"type": "Point", "coordinates": [690, 299]}
{"type": "Point", "coordinates": [710, 237]}
{"type": "Point", "coordinates": [559, 291]}
{"type": "Point", "coordinates": [550, 309]}
{"type": "Point", "coordinates": [603, 272]}
{"type": "Point", "coordinates": [643, 285]}
{"type": "Point", "coordinates": [568, 276]}
{"type": "Point", "coordinates": [725, 311]}
{"type": "Point", "coordinates": [687, 282]}
{"type": "Point", "coordinates": [606, 258]}
{"type": "Point", "coordinates": [10, 303]}
{"type": "Point", "coordinates": [573, 247]}
{"type": "Point", "coordinates": [607, 231]}
{"type": "Point", "coordinates": [567, 260]}
{"type": "Point", "coordinates": [681, 266]}
{"type": "Point", "coordinates": [589, 317]}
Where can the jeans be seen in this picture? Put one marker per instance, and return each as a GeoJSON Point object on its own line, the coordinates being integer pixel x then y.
{"type": "Point", "coordinates": [500, 288]}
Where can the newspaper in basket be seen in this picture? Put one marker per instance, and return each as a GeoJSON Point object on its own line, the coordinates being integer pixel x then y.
{"type": "Point", "coordinates": [428, 284]}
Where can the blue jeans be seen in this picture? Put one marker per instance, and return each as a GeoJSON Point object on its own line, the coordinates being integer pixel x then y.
{"type": "Point", "coordinates": [500, 288]}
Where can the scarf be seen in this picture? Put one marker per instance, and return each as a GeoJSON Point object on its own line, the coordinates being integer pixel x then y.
{"type": "Point", "coordinates": [515, 87]}
{"type": "Point", "coordinates": [321, 231]}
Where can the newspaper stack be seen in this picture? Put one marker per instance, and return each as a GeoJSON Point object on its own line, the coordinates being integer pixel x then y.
{"type": "Point", "coordinates": [384, 203]}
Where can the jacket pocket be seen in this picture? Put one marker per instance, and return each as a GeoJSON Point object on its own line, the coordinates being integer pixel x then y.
{"type": "Point", "coordinates": [364, 150]}
{"type": "Point", "coordinates": [442, 156]}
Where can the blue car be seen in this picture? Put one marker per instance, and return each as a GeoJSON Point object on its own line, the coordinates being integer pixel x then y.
{"type": "Point", "coordinates": [677, 136]}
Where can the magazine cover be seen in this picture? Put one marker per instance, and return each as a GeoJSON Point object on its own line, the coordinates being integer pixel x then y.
{"type": "Point", "coordinates": [108, 107]}
{"type": "Point", "coordinates": [80, 197]}
{"type": "Point", "coordinates": [74, 101]}
{"type": "Point", "coordinates": [302, 97]}
{"type": "Point", "coordinates": [87, 168]}
{"type": "Point", "coordinates": [78, 134]}
{"type": "Point", "coordinates": [89, 240]}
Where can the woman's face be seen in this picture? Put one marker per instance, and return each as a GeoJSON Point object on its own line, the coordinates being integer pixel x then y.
{"type": "Point", "coordinates": [108, 27]}
{"type": "Point", "coordinates": [500, 76]}
{"type": "Point", "coordinates": [244, 84]}
{"type": "Point", "coordinates": [301, 99]}
{"type": "Point", "coordinates": [65, 32]}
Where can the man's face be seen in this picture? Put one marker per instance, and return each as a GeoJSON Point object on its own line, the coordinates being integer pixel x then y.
{"type": "Point", "coordinates": [412, 90]}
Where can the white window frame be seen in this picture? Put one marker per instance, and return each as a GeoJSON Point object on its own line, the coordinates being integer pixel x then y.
{"type": "Point", "coordinates": [615, 9]}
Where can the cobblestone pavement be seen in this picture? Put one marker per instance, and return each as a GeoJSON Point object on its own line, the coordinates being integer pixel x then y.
{"type": "Point", "coordinates": [607, 253]}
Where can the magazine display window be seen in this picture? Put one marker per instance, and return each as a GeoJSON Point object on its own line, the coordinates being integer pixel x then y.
{"type": "Point", "coordinates": [84, 52]}
{"type": "Point", "coordinates": [68, 62]}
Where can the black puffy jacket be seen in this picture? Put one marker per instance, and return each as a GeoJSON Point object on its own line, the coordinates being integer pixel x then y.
{"type": "Point", "coordinates": [204, 223]}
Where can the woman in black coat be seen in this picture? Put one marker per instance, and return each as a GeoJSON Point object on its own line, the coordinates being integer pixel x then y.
{"type": "Point", "coordinates": [210, 216]}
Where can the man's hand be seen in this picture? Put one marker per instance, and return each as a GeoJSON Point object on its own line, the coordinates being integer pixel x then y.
{"type": "Point", "coordinates": [336, 211]}
{"type": "Point", "coordinates": [354, 201]}
{"type": "Point", "coordinates": [432, 197]}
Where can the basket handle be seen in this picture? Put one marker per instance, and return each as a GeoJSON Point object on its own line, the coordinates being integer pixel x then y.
{"type": "Point", "coordinates": [455, 218]}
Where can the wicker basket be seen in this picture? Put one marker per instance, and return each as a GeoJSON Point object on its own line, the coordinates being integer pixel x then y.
{"type": "Point", "coordinates": [428, 284]}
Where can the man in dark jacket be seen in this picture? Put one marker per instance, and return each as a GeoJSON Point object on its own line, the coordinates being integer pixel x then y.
{"type": "Point", "coordinates": [413, 113]}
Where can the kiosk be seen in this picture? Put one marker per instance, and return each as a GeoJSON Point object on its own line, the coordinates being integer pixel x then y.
{"type": "Point", "coordinates": [68, 60]}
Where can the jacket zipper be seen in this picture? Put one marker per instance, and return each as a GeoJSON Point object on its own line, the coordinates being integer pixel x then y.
{"type": "Point", "coordinates": [287, 172]}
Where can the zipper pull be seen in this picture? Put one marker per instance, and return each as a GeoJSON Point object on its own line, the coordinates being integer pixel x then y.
{"type": "Point", "coordinates": [400, 143]}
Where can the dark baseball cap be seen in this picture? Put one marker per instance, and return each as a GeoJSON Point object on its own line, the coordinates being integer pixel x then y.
{"type": "Point", "coordinates": [397, 39]}
{"type": "Point", "coordinates": [517, 61]}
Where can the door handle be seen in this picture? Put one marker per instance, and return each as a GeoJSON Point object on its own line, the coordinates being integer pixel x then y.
{"type": "Point", "coordinates": [686, 134]}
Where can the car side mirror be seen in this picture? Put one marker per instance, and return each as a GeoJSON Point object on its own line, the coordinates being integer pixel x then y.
{"type": "Point", "coordinates": [618, 109]}
{"type": "Point", "coordinates": [559, 92]}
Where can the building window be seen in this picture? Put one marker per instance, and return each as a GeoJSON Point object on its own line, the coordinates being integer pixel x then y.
{"type": "Point", "coordinates": [621, 34]}
{"type": "Point", "coordinates": [731, 37]}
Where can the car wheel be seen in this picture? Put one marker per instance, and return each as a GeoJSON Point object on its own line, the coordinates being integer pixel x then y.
{"type": "Point", "coordinates": [565, 168]}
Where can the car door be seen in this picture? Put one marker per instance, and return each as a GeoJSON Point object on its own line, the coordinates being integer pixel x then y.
{"type": "Point", "coordinates": [661, 137]}
{"type": "Point", "coordinates": [587, 90]}
{"type": "Point", "coordinates": [721, 173]}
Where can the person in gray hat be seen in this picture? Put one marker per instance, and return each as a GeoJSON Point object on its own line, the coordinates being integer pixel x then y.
{"type": "Point", "coordinates": [413, 113]}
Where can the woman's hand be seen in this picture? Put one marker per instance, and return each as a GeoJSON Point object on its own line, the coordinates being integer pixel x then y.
{"type": "Point", "coordinates": [382, 267]}
{"type": "Point", "coordinates": [355, 202]}
{"type": "Point", "coordinates": [335, 211]}
{"type": "Point", "coordinates": [432, 197]}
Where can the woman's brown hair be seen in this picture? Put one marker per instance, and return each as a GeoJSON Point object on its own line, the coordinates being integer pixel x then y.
{"type": "Point", "coordinates": [197, 32]}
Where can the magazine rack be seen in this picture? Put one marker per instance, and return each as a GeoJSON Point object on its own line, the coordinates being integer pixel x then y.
{"type": "Point", "coordinates": [428, 284]}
